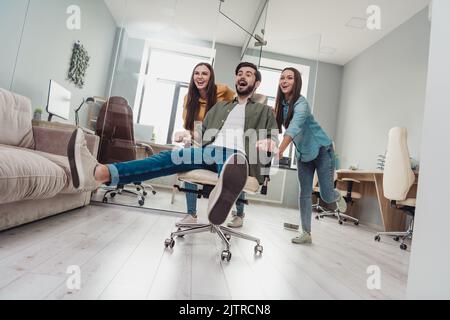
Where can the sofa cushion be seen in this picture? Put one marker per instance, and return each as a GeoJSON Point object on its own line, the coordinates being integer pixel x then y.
{"type": "Point", "coordinates": [15, 120]}
{"type": "Point", "coordinates": [26, 175]}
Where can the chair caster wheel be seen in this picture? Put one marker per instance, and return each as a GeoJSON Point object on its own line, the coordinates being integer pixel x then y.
{"type": "Point", "coordinates": [345, 220]}
{"type": "Point", "coordinates": [396, 239]}
{"type": "Point", "coordinates": [105, 200]}
{"type": "Point", "coordinates": [356, 223]}
{"type": "Point", "coordinates": [181, 236]}
{"type": "Point", "coordinates": [145, 193]}
{"type": "Point", "coordinates": [340, 222]}
{"type": "Point", "coordinates": [169, 243]}
{"type": "Point", "coordinates": [377, 238]}
{"type": "Point", "coordinates": [259, 249]}
{"type": "Point", "coordinates": [138, 189]}
{"type": "Point", "coordinates": [226, 255]}
{"type": "Point", "coordinates": [141, 202]}
{"type": "Point", "coordinates": [403, 246]}
{"type": "Point", "coordinates": [112, 195]}
{"type": "Point", "coordinates": [317, 218]}
{"type": "Point", "coordinates": [154, 192]}
{"type": "Point", "coordinates": [228, 237]}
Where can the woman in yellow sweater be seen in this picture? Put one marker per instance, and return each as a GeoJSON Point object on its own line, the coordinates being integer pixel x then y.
{"type": "Point", "coordinates": [203, 94]}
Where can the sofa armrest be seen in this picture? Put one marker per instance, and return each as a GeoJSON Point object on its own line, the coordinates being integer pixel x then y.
{"type": "Point", "coordinates": [56, 140]}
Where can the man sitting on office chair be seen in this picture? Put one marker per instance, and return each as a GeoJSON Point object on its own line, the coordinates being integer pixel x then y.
{"type": "Point", "coordinates": [230, 129]}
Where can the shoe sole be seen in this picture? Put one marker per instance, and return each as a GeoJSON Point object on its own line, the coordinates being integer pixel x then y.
{"type": "Point", "coordinates": [233, 226]}
{"type": "Point", "coordinates": [308, 242]}
{"type": "Point", "coordinates": [231, 183]}
{"type": "Point", "coordinates": [72, 161]}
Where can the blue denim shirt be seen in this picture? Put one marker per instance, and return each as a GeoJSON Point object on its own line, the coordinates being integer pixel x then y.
{"type": "Point", "coordinates": [305, 132]}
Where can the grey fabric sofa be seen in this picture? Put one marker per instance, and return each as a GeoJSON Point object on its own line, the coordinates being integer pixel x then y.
{"type": "Point", "coordinates": [34, 171]}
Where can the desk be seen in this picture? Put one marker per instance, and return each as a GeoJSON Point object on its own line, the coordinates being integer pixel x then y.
{"type": "Point", "coordinates": [372, 185]}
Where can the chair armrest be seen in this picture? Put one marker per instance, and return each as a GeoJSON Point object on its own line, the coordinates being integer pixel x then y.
{"type": "Point", "coordinates": [56, 140]}
{"type": "Point", "coordinates": [147, 147]}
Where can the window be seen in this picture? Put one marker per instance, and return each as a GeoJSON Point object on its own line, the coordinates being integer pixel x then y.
{"type": "Point", "coordinates": [163, 84]}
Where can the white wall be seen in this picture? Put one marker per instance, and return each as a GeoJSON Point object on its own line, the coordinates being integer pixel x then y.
{"type": "Point", "coordinates": [429, 272]}
{"type": "Point", "coordinates": [12, 17]}
{"type": "Point", "coordinates": [47, 48]}
{"type": "Point", "coordinates": [381, 88]}
{"type": "Point", "coordinates": [226, 61]}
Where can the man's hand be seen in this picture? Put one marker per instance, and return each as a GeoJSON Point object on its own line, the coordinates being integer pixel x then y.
{"type": "Point", "coordinates": [182, 137]}
{"type": "Point", "coordinates": [267, 145]}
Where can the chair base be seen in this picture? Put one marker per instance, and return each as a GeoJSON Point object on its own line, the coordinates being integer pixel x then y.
{"type": "Point", "coordinates": [224, 234]}
{"type": "Point", "coordinates": [140, 192]}
{"type": "Point", "coordinates": [341, 217]}
{"type": "Point", "coordinates": [397, 235]}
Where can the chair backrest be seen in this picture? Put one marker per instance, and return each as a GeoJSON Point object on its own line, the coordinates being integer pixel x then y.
{"type": "Point", "coordinates": [115, 128]}
{"type": "Point", "coordinates": [260, 98]}
{"type": "Point", "coordinates": [398, 176]}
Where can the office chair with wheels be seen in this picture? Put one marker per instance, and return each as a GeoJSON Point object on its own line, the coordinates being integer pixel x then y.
{"type": "Point", "coordinates": [206, 181]}
{"type": "Point", "coordinates": [398, 178]}
{"type": "Point", "coordinates": [115, 128]}
{"type": "Point", "coordinates": [347, 192]}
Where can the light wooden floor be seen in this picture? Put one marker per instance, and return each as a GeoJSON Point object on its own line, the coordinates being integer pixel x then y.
{"type": "Point", "coordinates": [121, 256]}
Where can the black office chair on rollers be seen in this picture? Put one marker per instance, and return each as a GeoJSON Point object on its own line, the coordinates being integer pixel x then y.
{"type": "Point", "coordinates": [348, 193]}
{"type": "Point", "coordinates": [117, 144]}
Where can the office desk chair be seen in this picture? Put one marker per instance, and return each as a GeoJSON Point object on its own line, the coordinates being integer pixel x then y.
{"type": "Point", "coordinates": [398, 178]}
{"type": "Point", "coordinates": [207, 180]}
{"type": "Point", "coordinates": [117, 144]}
{"type": "Point", "coordinates": [348, 194]}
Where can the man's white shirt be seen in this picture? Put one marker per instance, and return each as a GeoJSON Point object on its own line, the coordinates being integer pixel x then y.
{"type": "Point", "coordinates": [231, 135]}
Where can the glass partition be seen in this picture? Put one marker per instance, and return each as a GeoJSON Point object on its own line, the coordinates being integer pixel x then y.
{"type": "Point", "coordinates": [65, 48]}
{"type": "Point", "coordinates": [255, 41]}
{"type": "Point", "coordinates": [158, 50]}
{"type": "Point", "coordinates": [12, 19]}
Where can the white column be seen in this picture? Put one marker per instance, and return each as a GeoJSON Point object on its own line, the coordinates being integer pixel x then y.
{"type": "Point", "coordinates": [429, 272]}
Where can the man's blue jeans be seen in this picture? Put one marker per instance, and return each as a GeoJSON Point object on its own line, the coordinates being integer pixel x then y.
{"type": "Point", "coordinates": [324, 163]}
{"type": "Point", "coordinates": [172, 162]}
{"type": "Point", "coordinates": [191, 201]}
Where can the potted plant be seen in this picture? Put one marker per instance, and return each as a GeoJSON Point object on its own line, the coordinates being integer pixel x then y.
{"type": "Point", "coordinates": [37, 114]}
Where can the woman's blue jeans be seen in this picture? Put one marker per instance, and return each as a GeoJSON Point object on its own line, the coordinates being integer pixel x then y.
{"type": "Point", "coordinates": [324, 163]}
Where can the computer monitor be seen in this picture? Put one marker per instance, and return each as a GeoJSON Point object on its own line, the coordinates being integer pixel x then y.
{"type": "Point", "coordinates": [143, 132]}
{"type": "Point", "coordinates": [58, 103]}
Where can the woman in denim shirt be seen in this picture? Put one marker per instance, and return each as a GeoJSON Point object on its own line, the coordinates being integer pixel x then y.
{"type": "Point", "coordinates": [314, 149]}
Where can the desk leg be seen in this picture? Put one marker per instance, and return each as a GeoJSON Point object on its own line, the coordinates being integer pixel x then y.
{"type": "Point", "coordinates": [393, 219]}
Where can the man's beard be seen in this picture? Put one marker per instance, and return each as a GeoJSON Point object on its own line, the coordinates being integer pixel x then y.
{"type": "Point", "coordinates": [246, 92]}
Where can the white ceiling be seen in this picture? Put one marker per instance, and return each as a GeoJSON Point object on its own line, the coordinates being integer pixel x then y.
{"type": "Point", "coordinates": [293, 27]}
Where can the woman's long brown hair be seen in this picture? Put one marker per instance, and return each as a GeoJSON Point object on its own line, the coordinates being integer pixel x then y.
{"type": "Point", "coordinates": [193, 104]}
{"type": "Point", "coordinates": [280, 98]}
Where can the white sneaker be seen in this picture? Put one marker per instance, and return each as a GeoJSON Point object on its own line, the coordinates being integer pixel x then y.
{"type": "Point", "coordinates": [303, 238]}
{"type": "Point", "coordinates": [230, 185]}
{"type": "Point", "coordinates": [82, 162]}
{"type": "Point", "coordinates": [236, 222]}
{"type": "Point", "coordinates": [341, 204]}
{"type": "Point", "coordinates": [188, 219]}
